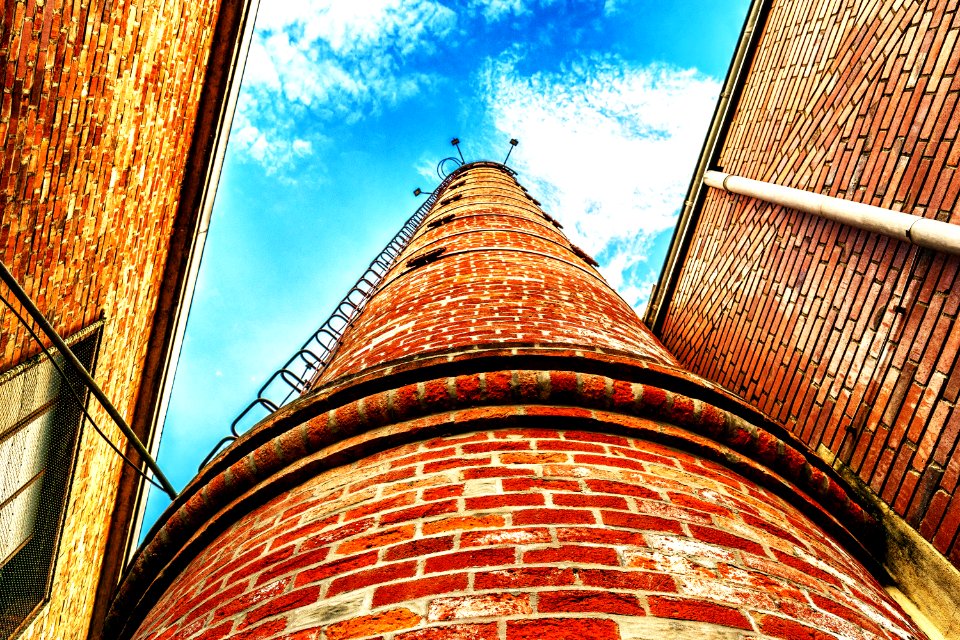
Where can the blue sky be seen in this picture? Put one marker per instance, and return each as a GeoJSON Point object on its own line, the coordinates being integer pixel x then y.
{"type": "Point", "coordinates": [348, 105]}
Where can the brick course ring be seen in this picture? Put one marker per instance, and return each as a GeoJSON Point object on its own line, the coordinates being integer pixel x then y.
{"type": "Point", "coordinates": [471, 401]}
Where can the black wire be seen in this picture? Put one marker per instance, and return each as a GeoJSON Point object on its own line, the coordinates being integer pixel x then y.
{"type": "Point", "coordinates": [76, 396]}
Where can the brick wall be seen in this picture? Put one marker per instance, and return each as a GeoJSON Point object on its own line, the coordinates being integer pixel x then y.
{"type": "Point", "coordinates": [526, 533]}
{"type": "Point", "coordinates": [847, 338]}
{"type": "Point", "coordinates": [95, 126]}
{"type": "Point", "coordinates": [507, 276]}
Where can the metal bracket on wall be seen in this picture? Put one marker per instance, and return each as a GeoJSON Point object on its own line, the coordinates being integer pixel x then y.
{"type": "Point", "coordinates": [61, 347]}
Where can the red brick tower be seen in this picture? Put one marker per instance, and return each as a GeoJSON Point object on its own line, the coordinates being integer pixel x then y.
{"type": "Point", "coordinates": [500, 449]}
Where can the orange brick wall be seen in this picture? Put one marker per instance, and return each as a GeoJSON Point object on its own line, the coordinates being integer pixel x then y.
{"type": "Point", "coordinates": [95, 123]}
{"type": "Point", "coordinates": [525, 533]}
{"type": "Point", "coordinates": [847, 338]}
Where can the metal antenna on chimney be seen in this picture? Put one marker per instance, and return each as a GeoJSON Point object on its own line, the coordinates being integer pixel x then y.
{"type": "Point", "coordinates": [456, 142]}
{"type": "Point", "coordinates": [513, 142]}
{"type": "Point", "coordinates": [441, 168]}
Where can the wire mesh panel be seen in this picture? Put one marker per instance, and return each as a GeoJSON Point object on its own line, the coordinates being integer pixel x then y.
{"type": "Point", "coordinates": [40, 423]}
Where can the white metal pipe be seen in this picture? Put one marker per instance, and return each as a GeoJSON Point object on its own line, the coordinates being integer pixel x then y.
{"type": "Point", "coordinates": [932, 234]}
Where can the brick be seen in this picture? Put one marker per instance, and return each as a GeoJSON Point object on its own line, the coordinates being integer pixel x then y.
{"type": "Point", "coordinates": [600, 536]}
{"type": "Point", "coordinates": [439, 493]}
{"type": "Point", "coordinates": [568, 601]}
{"type": "Point", "coordinates": [414, 589]}
{"type": "Point", "coordinates": [292, 563]}
{"type": "Point", "coordinates": [361, 579]}
{"type": "Point", "coordinates": [453, 632]}
{"type": "Point", "coordinates": [375, 540]}
{"type": "Point", "coordinates": [247, 600]}
{"type": "Point", "coordinates": [336, 567]}
{"type": "Point", "coordinates": [637, 580]}
{"type": "Point", "coordinates": [304, 634]}
{"type": "Point", "coordinates": [220, 631]}
{"type": "Point", "coordinates": [320, 540]}
{"type": "Point", "coordinates": [485, 606]}
{"type": "Point", "coordinates": [485, 447]}
{"type": "Point", "coordinates": [262, 631]}
{"type": "Point", "coordinates": [806, 568]}
{"type": "Point", "coordinates": [504, 536]}
{"type": "Point", "coordinates": [579, 554]}
{"type": "Point", "coordinates": [508, 500]}
{"type": "Point", "coordinates": [609, 461]}
{"type": "Point", "coordinates": [640, 522]}
{"type": "Point", "coordinates": [695, 503]}
{"type": "Point", "coordinates": [832, 606]}
{"type": "Point", "coordinates": [256, 553]}
{"type": "Point", "coordinates": [423, 511]}
{"type": "Point", "coordinates": [380, 506]}
{"type": "Point", "coordinates": [670, 511]}
{"type": "Point", "coordinates": [282, 604]}
{"type": "Point", "coordinates": [563, 629]}
{"type": "Point", "coordinates": [464, 522]}
{"type": "Point", "coordinates": [495, 472]}
{"type": "Point", "coordinates": [362, 626]}
{"type": "Point", "coordinates": [552, 516]}
{"type": "Point", "coordinates": [541, 484]}
{"type": "Point", "coordinates": [305, 531]}
{"type": "Point", "coordinates": [567, 445]}
{"type": "Point", "coordinates": [724, 539]}
{"type": "Point", "coordinates": [417, 548]}
{"type": "Point", "coordinates": [589, 501]}
{"type": "Point", "coordinates": [695, 609]}
{"type": "Point", "coordinates": [789, 629]}
{"type": "Point", "coordinates": [519, 578]}
{"type": "Point", "coordinates": [533, 458]}
{"type": "Point", "coordinates": [183, 607]}
{"type": "Point", "coordinates": [622, 488]}
{"type": "Point", "coordinates": [438, 443]}
{"type": "Point", "coordinates": [442, 465]}
{"type": "Point", "coordinates": [383, 478]}
{"type": "Point", "coordinates": [468, 559]}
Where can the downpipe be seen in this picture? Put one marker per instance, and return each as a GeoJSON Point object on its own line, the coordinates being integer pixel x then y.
{"type": "Point", "coordinates": [924, 232]}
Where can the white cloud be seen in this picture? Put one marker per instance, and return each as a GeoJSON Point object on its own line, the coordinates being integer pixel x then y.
{"type": "Point", "coordinates": [328, 59]}
{"type": "Point", "coordinates": [426, 168]}
{"type": "Point", "coordinates": [496, 10]}
{"type": "Point", "coordinates": [608, 148]}
{"type": "Point", "coordinates": [351, 26]}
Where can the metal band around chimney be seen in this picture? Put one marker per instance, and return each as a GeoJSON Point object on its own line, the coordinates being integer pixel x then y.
{"type": "Point", "coordinates": [924, 232]}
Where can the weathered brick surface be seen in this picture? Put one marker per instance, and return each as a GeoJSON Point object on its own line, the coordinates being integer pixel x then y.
{"type": "Point", "coordinates": [96, 115]}
{"type": "Point", "coordinates": [507, 277]}
{"type": "Point", "coordinates": [848, 338]}
{"type": "Point", "coordinates": [584, 564]}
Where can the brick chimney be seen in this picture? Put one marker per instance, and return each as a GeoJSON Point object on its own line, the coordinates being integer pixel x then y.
{"type": "Point", "coordinates": [499, 449]}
